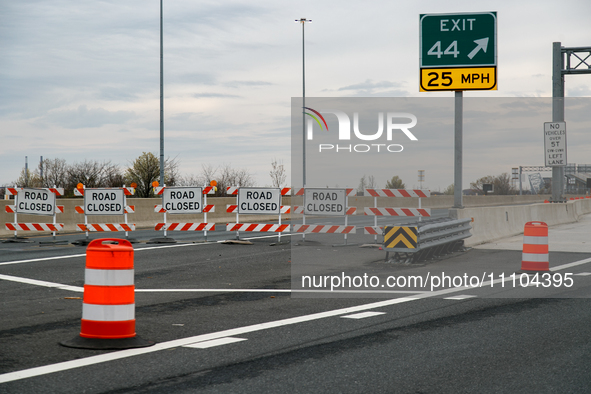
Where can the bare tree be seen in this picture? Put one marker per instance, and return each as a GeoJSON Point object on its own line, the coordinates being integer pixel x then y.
{"type": "Point", "coordinates": [229, 176]}
{"type": "Point", "coordinates": [277, 173]}
{"type": "Point", "coordinates": [27, 178]}
{"type": "Point", "coordinates": [92, 174]}
{"type": "Point", "coordinates": [366, 182]}
{"type": "Point", "coordinates": [55, 172]}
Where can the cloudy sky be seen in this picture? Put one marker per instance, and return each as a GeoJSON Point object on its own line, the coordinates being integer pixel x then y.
{"type": "Point", "coordinates": [80, 80]}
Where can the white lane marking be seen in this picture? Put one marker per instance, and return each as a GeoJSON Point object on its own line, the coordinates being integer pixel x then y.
{"type": "Point", "coordinates": [135, 250]}
{"type": "Point", "coordinates": [573, 264]}
{"type": "Point", "coordinates": [363, 315]}
{"type": "Point", "coordinates": [214, 342]}
{"type": "Point", "coordinates": [279, 291]}
{"type": "Point", "coordinates": [583, 274]}
{"type": "Point", "coordinates": [117, 355]}
{"type": "Point", "coordinates": [460, 297]}
{"type": "Point", "coordinates": [81, 289]}
{"type": "Point", "coordinates": [42, 283]}
{"type": "Point", "coordinates": [42, 259]}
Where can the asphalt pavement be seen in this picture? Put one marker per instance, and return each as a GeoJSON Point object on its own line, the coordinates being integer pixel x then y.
{"type": "Point", "coordinates": [226, 318]}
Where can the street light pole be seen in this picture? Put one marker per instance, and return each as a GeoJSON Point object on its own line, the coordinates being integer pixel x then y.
{"type": "Point", "coordinates": [161, 102]}
{"type": "Point", "coordinates": [303, 22]}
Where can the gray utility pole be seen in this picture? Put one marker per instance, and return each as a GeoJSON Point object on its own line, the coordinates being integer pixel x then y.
{"type": "Point", "coordinates": [564, 61]}
{"type": "Point", "coordinates": [303, 22]}
{"type": "Point", "coordinates": [161, 102]}
{"type": "Point", "coordinates": [458, 140]}
{"type": "Point", "coordinates": [26, 171]}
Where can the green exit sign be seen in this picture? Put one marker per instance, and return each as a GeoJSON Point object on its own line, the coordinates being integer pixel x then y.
{"type": "Point", "coordinates": [458, 40]}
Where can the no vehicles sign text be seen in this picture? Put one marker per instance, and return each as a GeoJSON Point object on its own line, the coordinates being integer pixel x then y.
{"type": "Point", "coordinates": [183, 200]}
{"type": "Point", "coordinates": [104, 202]}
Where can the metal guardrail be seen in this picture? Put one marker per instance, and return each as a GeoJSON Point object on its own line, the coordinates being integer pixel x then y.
{"type": "Point", "coordinates": [435, 238]}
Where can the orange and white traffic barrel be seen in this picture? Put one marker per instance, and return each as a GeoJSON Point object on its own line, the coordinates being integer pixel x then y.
{"type": "Point", "coordinates": [108, 309]}
{"type": "Point", "coordinates": [535, 255]}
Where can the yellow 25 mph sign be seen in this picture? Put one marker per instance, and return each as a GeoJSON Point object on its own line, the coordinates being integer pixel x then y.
{"type": "Point", "coordinates": [460, 78]}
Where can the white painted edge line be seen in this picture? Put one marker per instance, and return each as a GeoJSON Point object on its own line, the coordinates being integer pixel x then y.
{"type": "Point", "coordinates": [573, 264]}
{"type": "Point", "coordinates": [363, 315]}
{"type": "Point", "coordinates": [583, 274]}
{"type": "Point", "coordinates": [81, 289]}
{"type": "Point", "coordinates": [135, 250]}
{"type": "Point", "coordinates": [42, 283]}
{"type": "Point", "coordinates": [42, 259]}
{"type": "Point", "coordinates": [280, 291]}
{"type": "Point", "coordinates": [117, 355]}
{"type": "Point", "coordinates": [214, 342]}
{"type": "Point", "coordinates": [460, 297]}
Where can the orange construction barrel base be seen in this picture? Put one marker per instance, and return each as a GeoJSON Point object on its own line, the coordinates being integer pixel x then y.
{"type": "Point", "coordinates": [107, 329]}
{"type": "Point", "coordinates": [534, 266]}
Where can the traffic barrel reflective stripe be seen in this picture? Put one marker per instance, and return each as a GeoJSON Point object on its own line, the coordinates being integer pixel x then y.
{"type": "Point", "coordinates": [108, 309]}
{"type": "Point", "coordinates": [535, 256]}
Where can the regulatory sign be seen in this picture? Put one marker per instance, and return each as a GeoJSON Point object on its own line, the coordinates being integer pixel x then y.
{"type": "Point", "coordinates": [458, 51]}
{"type": "Point", "coordinates": [104, 202]}
{"type": "Point", "coordinates": [182, 200]}
{"type": "Point", "coordinates": [259, 200]}
{"type": "Point", "coordinates": [555, 143]}
{"type": "Point", "coordinates": [35, 202]}
{"type": "Point", "coordinates": [325, 202]}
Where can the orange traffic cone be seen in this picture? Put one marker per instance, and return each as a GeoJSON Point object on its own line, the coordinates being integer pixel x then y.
{"type": "Point", "coordinates": [108, 309]}
{"type": "Point", "coordinates": [535, 247]}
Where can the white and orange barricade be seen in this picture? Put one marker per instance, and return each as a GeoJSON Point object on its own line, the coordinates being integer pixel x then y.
{"type": "Point", "coordinates": [32, 201]}
{"type": "Point", "coordinates": [104, 202]}
{"type": "Point", "coordinates": [535, 256]}
{"type": "Point", "coordinates": [325, 202]}
{"type": "Point", "coordinates": [258, 201]}
{"type": "Point", "coordinates": [184, 200]}
{"type": "Point", "coordinates": [376, 211]}
{"type": "Point", "coordinates": [108, 308]}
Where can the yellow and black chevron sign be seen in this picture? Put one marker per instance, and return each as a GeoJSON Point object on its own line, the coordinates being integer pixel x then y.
{"type": "Point", "coordinates": [400, 237]}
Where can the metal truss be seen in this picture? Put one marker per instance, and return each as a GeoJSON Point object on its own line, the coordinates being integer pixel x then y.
{"type": "Point", "coordinates": [576, 60]}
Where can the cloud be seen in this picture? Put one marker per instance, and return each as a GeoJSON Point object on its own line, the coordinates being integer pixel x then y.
{"type": "Point", "coordinates": [239, 84]}
{"type": "Point", "coordinates": [215, 95]}
{"type": "Point", "coordinates": [370, 88]}
{"type": "Point", "coordinates": [580, 91]}
{"type": "Point", "coordinates": [84, 117]}
{"type": "Point", "coordinates": [370, 85]}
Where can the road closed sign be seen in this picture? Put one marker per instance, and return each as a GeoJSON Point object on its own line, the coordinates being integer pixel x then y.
{"type": "Point", "coordinates": [259, 200]}
{"type": "Point", "coordinates": [183, 200]}
{"type": "Point", "coordinates": [35, 202]}
{"type": "Point", "coordinates": [325, 202]}
{"type": "Point", "coordinates": [104, 202]}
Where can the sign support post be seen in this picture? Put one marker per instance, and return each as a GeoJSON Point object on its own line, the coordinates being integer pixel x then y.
{"type": "Point", "coordinates": [458, 143]}
{"type": "Point", "coordinates": [458, 52]}
{"type": "Point", "coordinates": [557, 116]}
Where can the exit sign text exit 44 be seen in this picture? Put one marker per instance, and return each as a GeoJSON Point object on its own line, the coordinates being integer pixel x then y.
{"type": "Point", "coordinates": [458, 51]}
